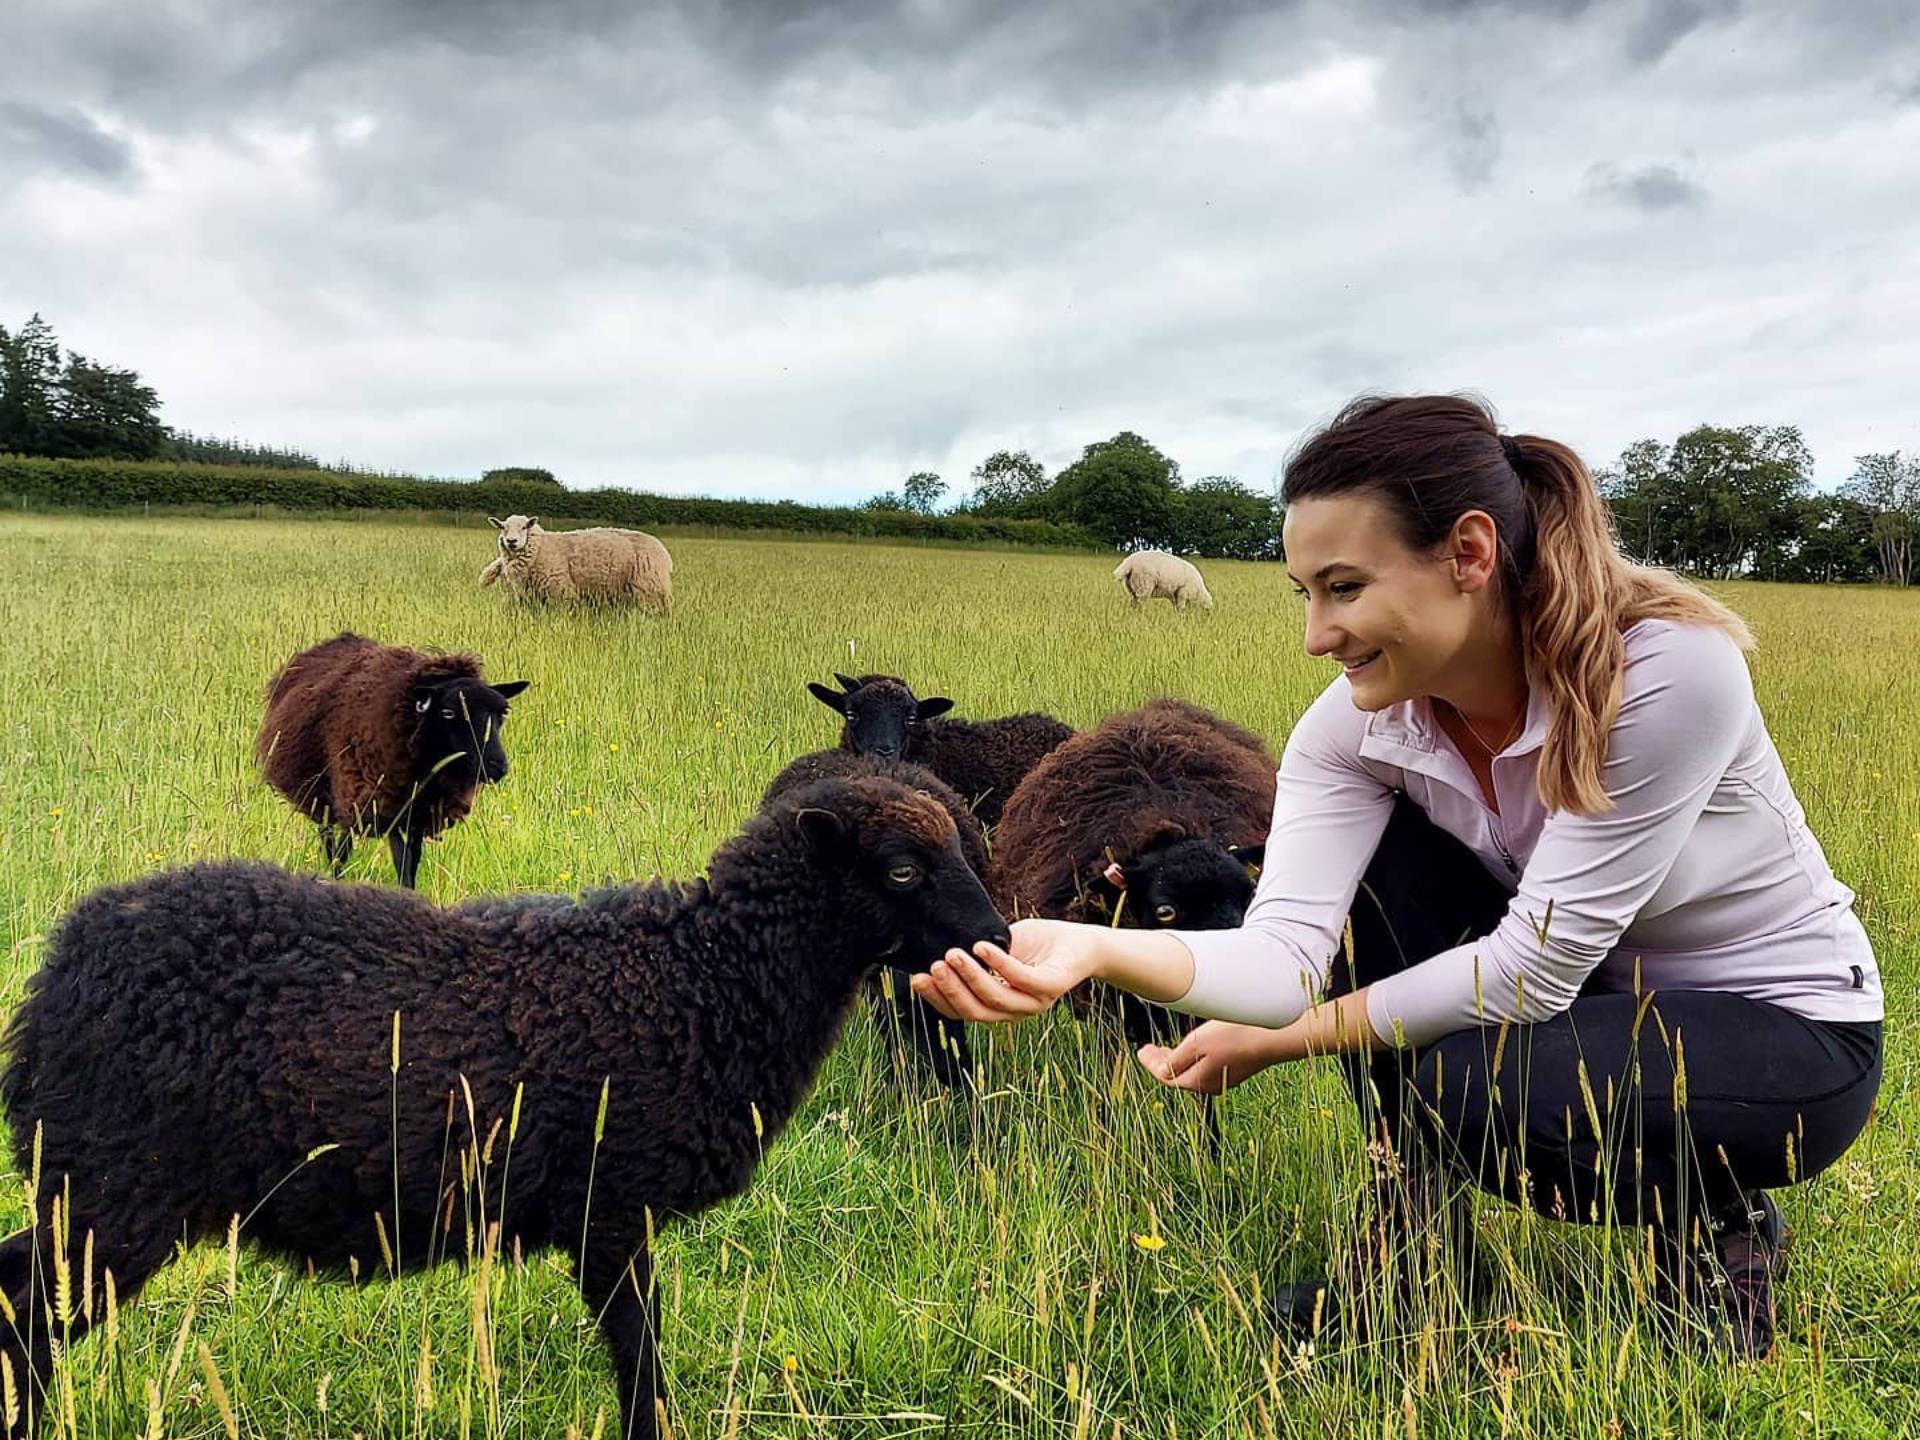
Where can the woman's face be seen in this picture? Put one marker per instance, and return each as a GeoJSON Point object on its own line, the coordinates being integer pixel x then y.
{"type": "Point", "coordinates": [1397, 620]}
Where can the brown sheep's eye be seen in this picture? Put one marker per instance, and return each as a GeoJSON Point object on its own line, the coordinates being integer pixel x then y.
{"type": "Point", "coordinates": [1165, 914]}
{"type": "Point", "coordinates": [904, 876]}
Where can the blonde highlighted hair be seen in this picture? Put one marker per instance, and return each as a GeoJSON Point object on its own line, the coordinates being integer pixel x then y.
{"type": "Point", "coordinates": [1432, 458]}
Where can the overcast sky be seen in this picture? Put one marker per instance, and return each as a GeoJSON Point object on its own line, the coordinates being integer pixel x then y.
{"type": "Point", "coordinates": [770, 247]}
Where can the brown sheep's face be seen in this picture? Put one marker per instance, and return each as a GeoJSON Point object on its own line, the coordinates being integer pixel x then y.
{"type": "Point", "coordinates": [910, 895]}
{"type": "Point", "coordinates": [460, 729]}
{"type": "Point", "coordinates": [882, 715]}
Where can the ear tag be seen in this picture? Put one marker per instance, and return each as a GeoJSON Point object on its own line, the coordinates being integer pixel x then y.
{"type": "Point", "coordinates": [1115, 876]}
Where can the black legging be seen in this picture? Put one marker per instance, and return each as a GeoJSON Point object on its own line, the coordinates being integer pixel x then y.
{"type": "Point", "coordinates": [1771, 1098]}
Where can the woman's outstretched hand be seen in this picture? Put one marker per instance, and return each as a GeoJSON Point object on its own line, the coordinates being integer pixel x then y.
{"type": "Point", "coordinates": [1049, 958]}
{"type": "Point", "coordinates": [1213, 1058]}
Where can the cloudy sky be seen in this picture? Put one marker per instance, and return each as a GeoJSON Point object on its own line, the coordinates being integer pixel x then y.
{"type": "Point", "coordinates": [773, 247]}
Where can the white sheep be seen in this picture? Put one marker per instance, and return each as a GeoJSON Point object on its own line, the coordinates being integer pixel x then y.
{"type": "Point", "coordinates": [599, 565]}
{"type": "Point", "coordinates": [1150, 574]}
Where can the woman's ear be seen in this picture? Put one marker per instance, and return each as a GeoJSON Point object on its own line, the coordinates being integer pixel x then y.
{"type": "Point", "coordinates": [1475, 551]}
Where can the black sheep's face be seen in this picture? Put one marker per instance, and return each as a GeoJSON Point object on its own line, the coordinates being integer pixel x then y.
{"type": "Point", "coordinates": [910, 894]}
{"type": "Point", "coordinates": [460, 728]}
{"type": "Point", "coordinates": [1188, 884]}
{"type": "Point", "coordinates": [883, 717]}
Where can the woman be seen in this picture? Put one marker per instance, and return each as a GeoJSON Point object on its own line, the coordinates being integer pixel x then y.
{"type": "Point", "coordinates": [1542, 792]}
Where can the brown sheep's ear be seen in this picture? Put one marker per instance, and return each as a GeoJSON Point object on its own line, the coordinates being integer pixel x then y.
{"type": "Point", "coordinates": [932, 706]}
{"type": "Point", "coordinates": [511, 688]}
{"type": "Point", "coordinates": [835, 703]}
{"type": "Point", "coordinates": [847, 682]}
{"type": "Point", "coordinates": [497, 524]}
{"type": "Point", "coordinates": [825, 831]}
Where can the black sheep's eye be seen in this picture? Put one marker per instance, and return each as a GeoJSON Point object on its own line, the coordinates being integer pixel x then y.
{"type": "Point", "coordinates": [447, 714]}
{"type": "Point", "coordinates": [1165, 914]}
{"type": "Point", "coordinates": [905, 876]}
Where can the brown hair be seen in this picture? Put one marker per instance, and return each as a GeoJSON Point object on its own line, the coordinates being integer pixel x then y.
{"type": "Point", "coordinates": [1429, 459]}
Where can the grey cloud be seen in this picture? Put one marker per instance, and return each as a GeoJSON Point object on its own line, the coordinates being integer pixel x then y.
{"type": "Point", "coordinates": [1652, 188]}
{"type": "Point", "coordinates": [63, 141]}
{"type": "Point", "coordinates": [1663, 24]}
{"type": "Point", "coordinates": [1473, 147]}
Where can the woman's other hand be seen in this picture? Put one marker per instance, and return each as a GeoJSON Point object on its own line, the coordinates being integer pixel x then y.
{"type": "Point", "coordinates": [1214, 1057]}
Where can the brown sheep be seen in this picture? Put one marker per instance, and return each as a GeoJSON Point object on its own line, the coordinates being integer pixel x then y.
{"type": "Point", "coordinates": [1154, 818]}
{"type": "Point", "coordinates": [372, 739]}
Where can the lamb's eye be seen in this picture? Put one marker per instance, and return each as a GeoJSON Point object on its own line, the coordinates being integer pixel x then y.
{"type": "Point", "coordinates": [1165, 914]}
{"type": "Point", "coordinates": [447, 713]}
{"type": "Point", "coordinates": [904, 875]}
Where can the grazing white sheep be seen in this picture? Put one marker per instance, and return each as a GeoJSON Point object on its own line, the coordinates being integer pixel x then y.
{"type": "Point", "coordinates": [1154, 574]}
{"type": "Point", "coordinates": [596, 566]}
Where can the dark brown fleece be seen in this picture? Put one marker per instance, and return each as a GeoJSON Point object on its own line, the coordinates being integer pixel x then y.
{"type": "Point", "coordinates": [1167, 770]}
{"type": "Point", "coordinates": [340, 736]}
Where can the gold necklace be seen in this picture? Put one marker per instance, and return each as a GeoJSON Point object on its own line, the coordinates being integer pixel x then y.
{"type": "Point", "coordinates": [1491, 750]}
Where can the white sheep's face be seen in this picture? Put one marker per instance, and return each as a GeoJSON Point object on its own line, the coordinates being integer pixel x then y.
{"type": "Point", "coordinates": [516, 533]}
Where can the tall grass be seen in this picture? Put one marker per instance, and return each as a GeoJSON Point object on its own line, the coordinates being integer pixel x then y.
{"type": "Point", "coordinates": [1063, 1253]}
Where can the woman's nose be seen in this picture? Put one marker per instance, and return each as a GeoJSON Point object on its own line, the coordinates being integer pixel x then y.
{"type": "Point", "coordinates": [1322, 638]}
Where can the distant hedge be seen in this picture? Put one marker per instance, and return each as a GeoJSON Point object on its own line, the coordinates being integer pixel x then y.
{"type": "Point", "coordinates": [130, 484]}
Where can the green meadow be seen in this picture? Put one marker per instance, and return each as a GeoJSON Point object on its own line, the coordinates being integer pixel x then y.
{"type": "Point", "coordinates": [1061, 1252]}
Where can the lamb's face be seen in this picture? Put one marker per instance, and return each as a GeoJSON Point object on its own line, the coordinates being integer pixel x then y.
{"type": "Point", "coordinates": [883, 716]}
{"type": "Point", "coordinates": [1189, 884]}
{"type": "Point", "coordinates": [516, 534]}
{"type": "Point", "coordinates": [460, 729]}
{"type": "Point", "coordinates": [910, 894]}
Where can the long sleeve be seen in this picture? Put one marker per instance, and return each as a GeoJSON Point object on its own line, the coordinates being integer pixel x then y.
{"type": "Point", "coordinates": [1686, 710]}
{"type": "Point", "coordinates": [1328, 815]}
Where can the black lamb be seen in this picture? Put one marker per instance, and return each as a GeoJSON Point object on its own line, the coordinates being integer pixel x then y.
{"type": "Point", "coordinates": [985, 760]}
{"type": "Point", "coordinates": [939, 1043]}
{"type": "Point", "coordinates": [373, 739]}
{"type": "Point", "coordinates": [219, 1041]}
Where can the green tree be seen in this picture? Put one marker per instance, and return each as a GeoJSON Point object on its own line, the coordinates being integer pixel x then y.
{"type": "Point", "coordinates": [1721, 501]}
{"type": "Point", "coordinates": [922, 491]}
{"type": "Point", "coordinates": [1217, 515]}
{"type": "Point", "coordinates": [1123, 490]}
{"type": "Point", "coordinates": [102, 411]}
{"type": "Point", "coordinates": [520, 475]}
{"type": "Point", "coordinates": [1007, 481]}
{"type": "Point", "coordinates": [29, 383]}
{"type": "Point", "coordinates": [886, 500]}
{"type": "Point", "coordinates": [1887, 486]}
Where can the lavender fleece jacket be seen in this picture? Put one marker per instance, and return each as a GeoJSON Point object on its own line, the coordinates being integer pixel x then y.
{"type": "Point", "coordinates": [1703, 875]}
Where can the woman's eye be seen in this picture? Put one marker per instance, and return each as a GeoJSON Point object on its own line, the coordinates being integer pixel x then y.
{"type": "Point", "coordinates": [1345, 589]}
{"type": "Point", "coordinates": [1301, 591]}
{"type": "Point", "coordinates": [904, 875]}
{"type": "Point", "coordinates": [1165, 914]}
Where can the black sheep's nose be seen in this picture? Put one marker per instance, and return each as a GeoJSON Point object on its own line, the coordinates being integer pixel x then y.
{"type": "Point", "coordinates": [887, 752]}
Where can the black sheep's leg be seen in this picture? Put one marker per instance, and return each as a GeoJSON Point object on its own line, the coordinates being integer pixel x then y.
{"type": "Point", "coordinates": [339, 847]}
{"type": "Point", "coordinates": [405, 842]}
{"type": "Point", "coordinates": [941, 1043]}
{"type": "Point", "coordinates": [617, 1284]}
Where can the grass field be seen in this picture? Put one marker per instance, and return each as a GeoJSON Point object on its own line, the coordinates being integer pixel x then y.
{"type": "Point", "coordinates": [909, 1262]}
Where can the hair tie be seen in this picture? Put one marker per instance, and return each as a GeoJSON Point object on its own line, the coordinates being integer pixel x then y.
{"type": "Point", "coordinates": [1516, 457]}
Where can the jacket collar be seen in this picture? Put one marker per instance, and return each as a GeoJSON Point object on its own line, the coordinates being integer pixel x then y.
{"type": "Point", "coordinates": [1406, 734]}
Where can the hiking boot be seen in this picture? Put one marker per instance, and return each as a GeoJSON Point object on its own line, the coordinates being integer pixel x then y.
{"type": "Point", "coordinates": [1724, 1280]}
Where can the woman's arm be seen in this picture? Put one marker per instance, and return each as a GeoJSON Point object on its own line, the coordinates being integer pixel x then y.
{"type": "Point", "coordinates": [1218, 1055]}
{"type": "Point", "coordinates": [1049, 958]}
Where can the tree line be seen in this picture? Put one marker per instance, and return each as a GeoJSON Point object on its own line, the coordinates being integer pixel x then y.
{"type": "Point", "coordinates": [1722, 502]}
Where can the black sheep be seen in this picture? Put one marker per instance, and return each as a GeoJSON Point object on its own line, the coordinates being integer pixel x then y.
{"type": "Point", "coordinates": [985, 760]}
{"type": "Point", "coordinates": [218, 1041]}
{"type": "Point", "coordinates": [940, 1043]}
{"type": "Point", "coordinates": [1155, 818]}
{"type": "Point", "coordinates": [373, 739]}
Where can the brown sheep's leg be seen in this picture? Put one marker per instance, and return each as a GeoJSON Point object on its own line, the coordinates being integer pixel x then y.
{"type": "Point", "coordinates": [618, 1287]}
{"type": "Point", "coordinates": [405, 842]}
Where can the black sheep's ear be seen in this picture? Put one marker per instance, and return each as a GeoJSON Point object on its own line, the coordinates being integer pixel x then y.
{"type": "Point", "coordinates": [847, 682]}
{"type": "Point", "coordinates": [511, 688]}
{"type": "Point", "coordinates": [423, 704]}
{"type": "Point", "coordinates": [497, 524]}
{"type": "Point", "coordinates": [932, 706]}
{"type": "Point", "coordinates": [835, 703]}
{"type": "Point", "coordinates": [825, 831]}
{"type": "Point", "coordinates": [1252, 856]}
